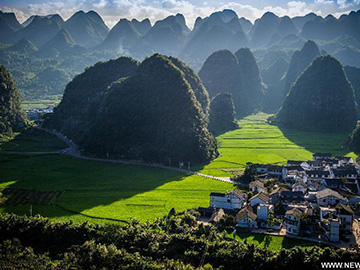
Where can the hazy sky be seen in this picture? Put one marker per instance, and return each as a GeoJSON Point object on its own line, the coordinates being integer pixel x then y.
{"type": "Point", "coordinates": [112, 10]}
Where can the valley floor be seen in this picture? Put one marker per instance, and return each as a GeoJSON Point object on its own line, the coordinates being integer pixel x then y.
{"type": "Point", "coordinates": [108, 192]}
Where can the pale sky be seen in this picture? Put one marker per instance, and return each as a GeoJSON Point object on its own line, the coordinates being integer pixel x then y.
{"type": "Point", "coordinates": [113, 10]}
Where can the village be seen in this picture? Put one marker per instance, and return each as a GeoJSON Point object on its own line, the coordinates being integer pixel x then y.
{"type": "Point", "coordinates": [316, 200]}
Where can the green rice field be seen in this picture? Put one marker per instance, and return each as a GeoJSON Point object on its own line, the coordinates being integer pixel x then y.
{"type": "Point", "coordinates": [107, 192]}
{"type": "Point", "coordinates": [259, 142]}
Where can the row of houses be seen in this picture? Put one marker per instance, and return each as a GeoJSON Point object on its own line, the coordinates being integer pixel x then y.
{"type": "Point", "coordinates": [305, 204]}
{"type": "Point", "coordinates": [323, 170]}
{"type": "Point", "coordinates": [37, 114]}
{"type": "Point", "coordinates": [328, 211]}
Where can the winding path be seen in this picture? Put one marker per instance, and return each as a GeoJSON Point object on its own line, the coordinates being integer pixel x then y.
{"type": "Point", "coordinates": [73, 151]}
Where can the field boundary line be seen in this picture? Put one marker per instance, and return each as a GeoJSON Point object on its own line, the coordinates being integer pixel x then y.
{"type": "Point", "coordinates": [72, 151]}
{"type": "Point", "coordinates": [90, 216]}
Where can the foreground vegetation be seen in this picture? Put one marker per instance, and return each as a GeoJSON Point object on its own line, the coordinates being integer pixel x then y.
{"type": "Point", "coordinates": [175, 241]}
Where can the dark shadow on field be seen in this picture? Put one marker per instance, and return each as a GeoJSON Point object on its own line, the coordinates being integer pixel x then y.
{"type": "Point", "coordinates": [33, 140]}
{"type": "Point", "coordinates": [87, 184]}
{"type": "Point", "coordinates": [318, 142]}
{"type": "Point", "coordinates": [256, 236]}
{"type": "Point", "coordinates": [290, 243]}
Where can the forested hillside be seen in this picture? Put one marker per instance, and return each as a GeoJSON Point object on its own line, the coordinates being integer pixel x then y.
{"type": "Point", "coordinates": [222, 114]}
{"type": "Point", "coordinates": [12, 118]}
{"type": "Point", "coordinates": [321, 99]}
{"type": "Point", "coordinates": [237, 74]}
{"type": "Point", "coordinates": [154, 111]}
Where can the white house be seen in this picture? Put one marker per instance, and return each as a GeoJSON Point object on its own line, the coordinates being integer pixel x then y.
{"type": "Point", "coordinates": [232, 200]}
{"type": "Point", "coordinates": [295, 163]}
{"type": "Point", "coordinates": [246, 218]}
{"type": "Point", "coordinates": [334, 229]}
{"type": "Point", "coordinates": [275, 171]}
{"type": "Point", "coordinates": [348, 172]}
{"type": "Point", "coordinates": [346, 215]}
{"type": "Point", "coordinates": [345, 160]}
{"type": "Point", "coordinates": [257, 186]}
{"type": "Point", "coordinates": [328, 196]}
{"type": "Point", "coordinates": [263, 211]}
{"type": "Point", "coordinates": [319, 174]}
{"type": "Point", "coordinates": [259, 198]}
{"type": "Point", "coordinates": [316, 165]}
{"type": "Point", "coordinates": [300, 186]}
{"type": "Point", "coordinates": [292, 221]}
{"type": "Point", "coordinates": [330, 223]}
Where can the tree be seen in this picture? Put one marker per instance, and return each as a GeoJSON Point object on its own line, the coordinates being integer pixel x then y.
{"type": "Point", "coordinates": [279, 208]}
{"type": "Point", "coordinates": [250, 171]}
{"type": "Point", "coordinates": [304, 222]}
{"type": "Point", "coordinates": [226, 223]}
{"type": "Point", "coordinates": [12, 117]}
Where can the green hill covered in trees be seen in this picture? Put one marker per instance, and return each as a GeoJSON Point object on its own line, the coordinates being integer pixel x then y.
{"type": "Point", "coordinates": [83, 95]}
{"type": "Point", "coordinates": [354, 140]}
{"type": "Point", "coordinates": [300, 60]}
{"type": "Point", "coordinates": [12, 117]}
{"type": "Point", "coordinates": [237, 74]}
{"type": "Point", "coordinates": [152, 111]}
{"type": "Point", "coordinates": [222, 114]}
{"type": "Point", "coordinates": [322, 99]}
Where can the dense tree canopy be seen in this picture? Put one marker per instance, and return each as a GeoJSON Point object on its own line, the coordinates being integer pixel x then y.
{"type": "Point", "coordinates": [353, 74]}
{"type": "Point", "coordinates": [152, 115]}
{"type": "Point", "coordinates": [194, 80]}
{"type": "Point", "coordinates": [354, 140]}
{"type": "Point", "coordinates": [154, 111]}
{"type": "Point", "coordinates": [175, 241]}
{"type": "Point", "coordinates": [300, 60]}
{"type": "Point", "coordinates": [237, 74]}
{"type": "Point", "coordinates": [11, 115]}
{"type": "Point", "coordinates": [322, 99]}
{"type": "Point", "coordinates": [83, 96]}
{"type": "Point", "coordinates": [222, 114]}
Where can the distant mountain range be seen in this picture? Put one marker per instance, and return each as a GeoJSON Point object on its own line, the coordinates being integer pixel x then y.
{"type": "Point", "coordinates": [221, 30]}
{"type": "Point", "coordinates": [278, 50]}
